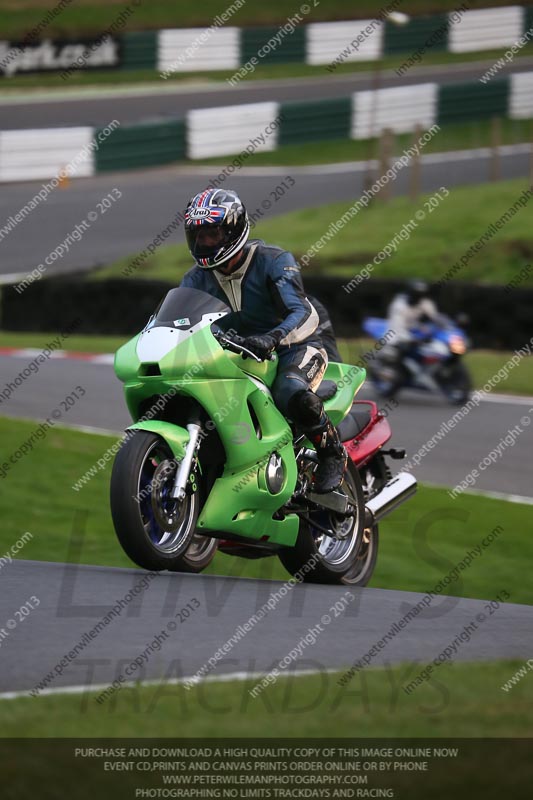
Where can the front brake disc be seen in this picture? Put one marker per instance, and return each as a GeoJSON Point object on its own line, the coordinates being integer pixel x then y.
{"type": "Point", "coordinates": [167, 510]}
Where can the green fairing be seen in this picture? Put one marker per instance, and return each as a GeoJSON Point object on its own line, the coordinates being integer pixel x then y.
{"type": "Point", "coordinates": [239, 501]}
{"type": "Point", "coordinates": [174, 435]}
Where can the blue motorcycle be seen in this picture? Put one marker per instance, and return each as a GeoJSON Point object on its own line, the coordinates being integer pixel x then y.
{"type": "Point", "coordinates": [431, 362]}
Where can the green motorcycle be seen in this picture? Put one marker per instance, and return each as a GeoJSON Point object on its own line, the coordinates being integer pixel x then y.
{"type": "Point", "coordinates": [210, 458]}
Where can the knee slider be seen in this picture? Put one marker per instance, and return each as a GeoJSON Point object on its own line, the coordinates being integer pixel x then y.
{"type": "Point", "coordinates": [306, 408]}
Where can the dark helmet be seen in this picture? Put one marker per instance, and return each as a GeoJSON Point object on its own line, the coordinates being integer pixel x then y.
{"type": "Point", "coordinates": [216, 227]}
{"type": "Point", "coordinates": [416, 291]}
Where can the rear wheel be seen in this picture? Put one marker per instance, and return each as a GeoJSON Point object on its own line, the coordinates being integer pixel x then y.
{"type": "Point", "coordinates": [321, 558]}
{"type": "Point", "coordinates": [366, 560]}
{"type": "Point", "coordinates": [156, 531]}
{"type": "Point", "coordinates": [374, 476]}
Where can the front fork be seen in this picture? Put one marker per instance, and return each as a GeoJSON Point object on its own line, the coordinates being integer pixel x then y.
{"type": "Point", "coordinates": [186, 464]}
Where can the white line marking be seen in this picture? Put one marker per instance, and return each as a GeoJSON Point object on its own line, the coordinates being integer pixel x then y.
{"type": "Point", "coordinates": [358, 166]}
{"type": "Point", "coordinates": [509, 498]}
{"type": "Point", "coordinates": [62, 355]}
{"type": "Point", "coordinates": [508, 399]}
{"type": "Point", "coordinates": [12, 277]}
{"type": "Point", "coordinates": [479, 152]}
{"type": "Point", "coordinates": [231, 676]}
{"type": "Point", "coordinates": [105, 358]}
{"type": "Point", "coordinates": [91, 429]}
{"type": "Point", "coordinates": [82, 428]}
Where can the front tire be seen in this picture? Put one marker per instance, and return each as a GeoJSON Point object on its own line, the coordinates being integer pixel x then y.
{"type": "Point", "coordinates": [456, 383]}
{"type": "Point", "coordinates": [154, 530]}
{"type": "Point", "coordinates": [318, 558]}
{"type": "Point", "coordinates": [199, 555]}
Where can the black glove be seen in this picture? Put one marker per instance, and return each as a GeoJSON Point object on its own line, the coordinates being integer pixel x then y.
{"type": "Point", "coordinates": [262, 345]}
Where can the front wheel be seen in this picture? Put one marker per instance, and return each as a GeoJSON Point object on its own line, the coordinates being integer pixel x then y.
{"type": "Point", "coordinates": [456, 383]}
{"type": "Point", "coordinates": [156, 531]}
{"type": "Point", "coordinates": [199, 555]}
{"type": "Point", "coordinates": [319, 558]}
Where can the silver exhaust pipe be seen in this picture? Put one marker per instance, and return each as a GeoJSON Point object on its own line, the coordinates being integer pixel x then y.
{"type": "Point", "coordinates": [394, 493]}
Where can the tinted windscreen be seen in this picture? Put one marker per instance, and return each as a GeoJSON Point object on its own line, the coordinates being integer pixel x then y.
{"type": "Point", "coordinates": [184, 306]}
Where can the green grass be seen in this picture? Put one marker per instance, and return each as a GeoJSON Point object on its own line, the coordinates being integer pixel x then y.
{"type": "Point", "coordinates": [92, 16]}
{"type": "Point", "coordinates": [483, 364]}
{"type": "Point", "coordinates": [446, 234]}
{"type": "Point", "coordinates": [81, 344]}
{"type": "Point", "coordinates": [418, 545]}
{"type": "Point", "coordinates": [464, 700]}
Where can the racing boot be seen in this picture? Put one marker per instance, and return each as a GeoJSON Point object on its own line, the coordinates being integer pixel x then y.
{"type": "Point", "coordinates": [332, 457]}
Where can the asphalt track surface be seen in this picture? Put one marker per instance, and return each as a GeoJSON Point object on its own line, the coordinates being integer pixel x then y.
{"type": "Point", "coordinates": [164, 101]}
{"type": "Point", "coordinates": [74, 598]}
{"type": "Point", "coordinates": [151, 200]}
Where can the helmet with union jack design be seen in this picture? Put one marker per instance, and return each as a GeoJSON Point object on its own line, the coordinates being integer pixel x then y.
{"type": "Point", "coordinates": [216, 227]}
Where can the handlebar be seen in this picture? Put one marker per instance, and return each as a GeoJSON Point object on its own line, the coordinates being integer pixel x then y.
{"type": "Point", "coordinates": [235, 345]}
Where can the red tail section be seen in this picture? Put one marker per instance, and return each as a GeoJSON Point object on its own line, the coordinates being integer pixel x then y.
{"type": "Point", "coordinates": [371, 438]}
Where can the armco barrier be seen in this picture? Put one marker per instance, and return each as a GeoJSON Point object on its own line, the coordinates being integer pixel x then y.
{"type": "Point", "coordinates": [315, 121]}
{"type": "Point", "coordinates": [42, 153]}
{"type": "Point", "coordinates": [184, 51]}
{"type": "Point", "coordinates": [142, 145]}
{"type": "Point", "coordinates": [139, 50]}
{"type": "Point", "coordinates": [487, 29]}
{"type": "Point", "coordinates": [122, 307]}
{"type": "Point", "coordinates": [521, 95]}
{"type": "Point", "coordinates": [327, 40]}
{"type": "Point", "coordinates": [230, 129]}
{"type": "Point", "coordinates": [225, 47]}
{"type": "Point", "coordinates": [400, 109]}
{"type": "Point", "coordinates": [256, 127]}
{"type": "Point", "coordinates": [412, 36]}
{"type": "Point", "coordinates": [474, 100]}
{"type": "Point", "coordinates": [291, 48]}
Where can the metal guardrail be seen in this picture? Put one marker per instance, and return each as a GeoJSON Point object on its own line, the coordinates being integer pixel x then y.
{"type": "Point", "coordinates": [254, 127]}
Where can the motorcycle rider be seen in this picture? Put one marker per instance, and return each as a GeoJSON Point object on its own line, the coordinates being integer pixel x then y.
{"type": "Point", "coordinates": [406, 311]}
{"type": "Point", "coordinates": [264, 288]}
{"type": "Point", "coordinates": [325, 330]}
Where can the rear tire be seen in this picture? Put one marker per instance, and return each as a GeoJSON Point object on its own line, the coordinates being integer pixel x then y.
{"type": "Point", "coordinates": [141, 502]}
{"type": "Point", "coordinates": [374, 475]}
{"type": "Point", "coordinates": [366, 558]}
{"type": "Point", "coordinates": [326, 559]}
